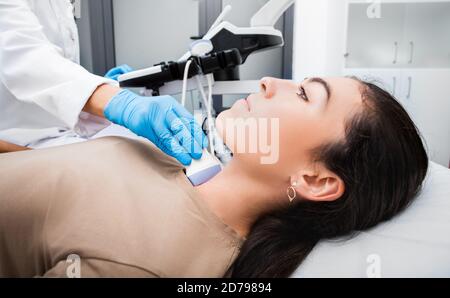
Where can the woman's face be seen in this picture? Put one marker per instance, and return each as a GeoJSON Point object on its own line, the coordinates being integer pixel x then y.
{"type": "Point", "coordinates": [310, 114]}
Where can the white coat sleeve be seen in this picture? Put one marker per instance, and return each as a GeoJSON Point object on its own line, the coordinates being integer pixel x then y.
{"type": "Point", "coordinates": [34, 70]}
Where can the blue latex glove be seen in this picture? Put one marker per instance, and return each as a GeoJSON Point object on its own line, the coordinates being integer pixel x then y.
{"type": "Point", "coordinates": [114, 73]}
{"type": "Point", "coordinates": [162, 120]}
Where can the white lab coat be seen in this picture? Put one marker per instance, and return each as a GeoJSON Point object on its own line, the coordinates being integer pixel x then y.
{"type": "Point", "coordinates": [43, 89]}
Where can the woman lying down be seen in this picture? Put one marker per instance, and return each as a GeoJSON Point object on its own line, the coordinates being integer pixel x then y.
{"type": "Point", "coordinates": [350, 157]}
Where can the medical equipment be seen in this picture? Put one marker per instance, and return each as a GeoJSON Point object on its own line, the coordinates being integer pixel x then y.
{"type": "Point", "coordinates": [213, 62]}
{"type": "Point", "coordinates": [200, 171]}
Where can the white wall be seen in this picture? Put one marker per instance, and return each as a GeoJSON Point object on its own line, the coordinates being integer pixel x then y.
{"type": "Point", "coordinates": [319, 36]}
{"type": "Point", "coordinates": [152, 31]}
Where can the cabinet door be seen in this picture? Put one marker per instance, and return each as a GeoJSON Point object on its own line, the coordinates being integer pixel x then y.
{"type": "Point", "coordinates": [375, 42]}
{"type": "Point", "coordinates": [427, 35]}
{"type": "Point", "coordinates": [425, 94]}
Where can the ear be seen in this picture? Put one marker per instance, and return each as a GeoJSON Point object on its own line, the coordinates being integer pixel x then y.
{"type": "Point", "coordinates": [320, 184]}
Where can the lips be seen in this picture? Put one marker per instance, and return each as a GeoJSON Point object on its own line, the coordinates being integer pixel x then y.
{"type": "Point", "coordinates": [243, 103]}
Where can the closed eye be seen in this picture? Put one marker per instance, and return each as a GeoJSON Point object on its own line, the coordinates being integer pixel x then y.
{"type": "Point", "coordinates": [302, 94]}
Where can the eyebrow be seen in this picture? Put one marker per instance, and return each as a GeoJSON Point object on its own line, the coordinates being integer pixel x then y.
{"type": "Point", "coordinates": [324, 84]}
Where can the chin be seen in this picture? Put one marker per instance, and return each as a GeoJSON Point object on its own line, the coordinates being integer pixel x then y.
{"type": "Point", "coordinates": [220, 125]}
{"type": "Point", "coordinates": [221, 128]}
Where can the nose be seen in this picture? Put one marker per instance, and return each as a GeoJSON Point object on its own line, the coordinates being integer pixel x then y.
{"type": "Point", "coordinates": [269, 86]}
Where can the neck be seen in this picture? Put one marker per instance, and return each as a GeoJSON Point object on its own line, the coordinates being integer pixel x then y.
{"type": "Point", "coordinates": [238, 198]}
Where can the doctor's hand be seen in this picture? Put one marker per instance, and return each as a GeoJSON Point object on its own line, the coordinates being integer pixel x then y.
{"type": "Point", "coordinates": [160, 119]}
{"type": "Point", "coordinates": [114, 73]}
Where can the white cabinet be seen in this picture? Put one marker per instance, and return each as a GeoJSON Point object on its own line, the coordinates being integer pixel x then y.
{"type": "Point", "coordinates": [407, 35]}
{"type": "Point", "coordinates": [426, 42]}
{"type": "Point", "coordinates": [373, 42]}
{"type": "Point", "coordinates": [407, 52]}
{"type": "Point", "coordinates": [424, 94]}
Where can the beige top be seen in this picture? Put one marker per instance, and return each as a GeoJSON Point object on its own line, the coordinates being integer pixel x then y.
{"type": "Point", "coordinates": [123, 206]}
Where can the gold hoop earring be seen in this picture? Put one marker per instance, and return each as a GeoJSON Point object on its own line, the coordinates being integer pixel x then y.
{"type": "Point", "coordinates": [292, 192]}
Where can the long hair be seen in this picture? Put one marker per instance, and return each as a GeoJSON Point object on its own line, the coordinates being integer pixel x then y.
{"type": "Point", "coordinates": [382, 162]}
